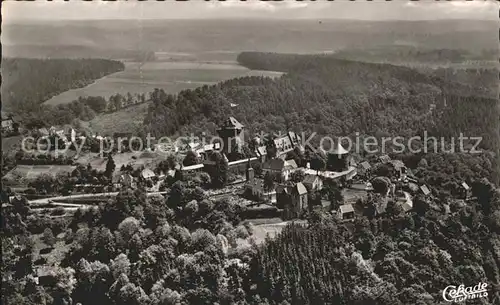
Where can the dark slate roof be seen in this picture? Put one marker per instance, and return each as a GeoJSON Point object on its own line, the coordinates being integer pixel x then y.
{"type": "Point", "coordinates": [309, 179]}
{"type": "Point", "coordinates": [274, 164]}
{"type": "Point", "coordinates": [232, 123]}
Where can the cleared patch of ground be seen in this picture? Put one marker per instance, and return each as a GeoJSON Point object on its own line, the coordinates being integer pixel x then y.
{"type": "Point", "coordinates": [126, 120]}
{"type": "Point", "coordinates": [265, 227]}
{"type": "Point", "coordinates": [21, 175]}
{"type": "Point", "coordinates": [136, 159]}
{"type": "Point", "coordinates": [172, 76]}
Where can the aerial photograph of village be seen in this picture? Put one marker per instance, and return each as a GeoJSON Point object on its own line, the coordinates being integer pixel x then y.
{"type": "Point", "coordinates": [250, 152]}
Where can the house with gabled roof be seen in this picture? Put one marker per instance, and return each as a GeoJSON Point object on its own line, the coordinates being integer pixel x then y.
{"type": "Point", "coordinates": [365, 165]}
{"type": "Point", "coordinates": [7, 124]}
{"type": "Point", "coordinates": [10, 123]}
{"type": "Point", "coordinates": [399, 169]}
{"type": "Point", "coordinates": [43, 132]}
{"type": "Point", "coordinates": [384, 159]}
{"type": "Point", "coordinates": [127, 180]}
{"type": "Point", "coordinates": [364, 168]}
{"type": "Point", "coordinates": [286, 143]}
{"type": "Point", "coordinates": [313, 182]}
{"type": "Point", "coordinates": [147, 173]}
{"type": "Point", "coordinates": [294, 198]}
{"type": "Point", "coordinates": [465, 190]}
{"type": "Point", "coordinates": [346, 211]}
{"type": "Point", "coordinates": [406, 202]}
{"type": "Point", "coordinates": [425, 190]}
{"type": "Point", "coordinates": [261, 153]}
{"type": "Point", "coordinates": [291, 164]}
{"type": "Point", "coordinates": [255, 186]}
{"type": "Point", "coordinates": [278, 166]}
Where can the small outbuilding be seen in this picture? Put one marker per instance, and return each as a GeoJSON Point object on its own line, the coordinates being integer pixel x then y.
{"type": "Point", "coordinates": [346, 211]}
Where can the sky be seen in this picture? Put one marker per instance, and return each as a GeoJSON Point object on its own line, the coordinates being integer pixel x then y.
{"type": "Point", "coordinates": [21, 11]}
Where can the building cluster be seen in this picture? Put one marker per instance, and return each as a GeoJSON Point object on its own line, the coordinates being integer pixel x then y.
{"type": "Point", "coordinates": [401, 187]}
{"type": "Point", "coordinates": [275, 184]}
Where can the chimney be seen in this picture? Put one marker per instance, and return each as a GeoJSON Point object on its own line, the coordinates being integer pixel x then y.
{"type": "Point", "coordinates": [308, 165]}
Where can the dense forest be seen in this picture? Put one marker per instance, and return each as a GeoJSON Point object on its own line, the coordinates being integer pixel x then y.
{"type": "Point", "coordinates": [183, 249]}
{"type": "Point", "coordinates": [332, 97]}
{"type": "Point", "coordinates": [27, 83]}
{"type": "Point", "coordinates": [404, 53]}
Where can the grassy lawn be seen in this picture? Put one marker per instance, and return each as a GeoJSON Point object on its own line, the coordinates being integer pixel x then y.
{"type": "Point", "coordinates": [136, 159]}
{"type": "Point", "coordinates": [170, 76]}
{"type": "Point", "coordinates": [22, 174]}
{"type": "Point", "coordinates": [125, 120]}
{"type": "Point", "coordinates": [264, 227]}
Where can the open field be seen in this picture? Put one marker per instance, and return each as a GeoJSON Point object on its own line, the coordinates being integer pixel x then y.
{"type": "Point", "coordinates": [265, 227]}
{"type": "Point", "coordinates": [169, 76]}
{"type": "Point", "coordinates": [136, 159]}
{"type": "Point", "coordinates": [124, 120]}
{"type": "Point", "coordinates": [22, 174]}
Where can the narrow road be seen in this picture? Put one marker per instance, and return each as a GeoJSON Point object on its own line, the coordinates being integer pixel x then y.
{"type": "Point", "coordinates": [81, 196]}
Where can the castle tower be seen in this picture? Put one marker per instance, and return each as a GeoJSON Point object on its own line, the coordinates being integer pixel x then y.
{"type": "Point", "coordinates": [338, 159]}
{"type": "Point", "coordinates": [231, 133]}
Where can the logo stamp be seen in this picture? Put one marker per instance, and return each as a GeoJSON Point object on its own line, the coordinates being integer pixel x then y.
{"type": "Point", "coordinates": [462, 293]}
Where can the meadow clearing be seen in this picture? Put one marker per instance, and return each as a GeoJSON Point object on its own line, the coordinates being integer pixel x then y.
{"type": "Point", "coordinates": [129, 119]}
{"type": "Point", "coordinates": [21, 175]}
{"type": "Point", "coordinates": [136, 159]}
{"type": "Point", "coordinates": [171, 76]}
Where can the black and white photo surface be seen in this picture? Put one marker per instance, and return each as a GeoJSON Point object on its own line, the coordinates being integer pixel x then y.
{"type": "Point", "coordinates": [250, 152]}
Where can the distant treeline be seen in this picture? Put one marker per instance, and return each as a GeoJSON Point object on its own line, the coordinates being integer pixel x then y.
{"type": "Point", "coordinates": [484, 80]}
{"type": "Point", "coordinates": [30, 82]}
{"type": "Point", "coordinates": [403, 53]}
{"type": "Point", "coordinates": [57, 51]}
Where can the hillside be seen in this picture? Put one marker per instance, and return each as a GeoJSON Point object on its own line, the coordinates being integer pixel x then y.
{"type": "Point", "coordinates": [27, 83]}
{"type": "Point", "coordinates": [329, 96]}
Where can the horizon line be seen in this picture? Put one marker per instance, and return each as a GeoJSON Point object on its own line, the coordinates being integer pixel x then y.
{"type": "Point", "coordinates": [21, 20]}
